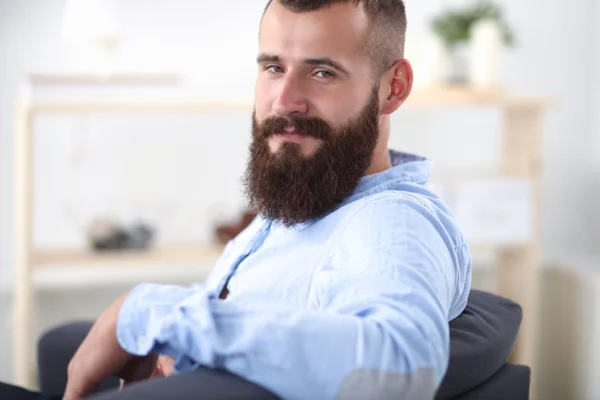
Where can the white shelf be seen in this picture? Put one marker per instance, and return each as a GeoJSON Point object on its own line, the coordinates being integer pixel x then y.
{"type": "Point", "coordinates": [63, 269]}
{"type": "Point", "coordinates": [129, 79]}
{"type": "Point", "coordinates": [85, 271]}
{"type": "Point", "coordinates": [445, 96]}
{"type": "Point", "coordinates": [458, 96]}
{"type": "Point", "coordinates": [180, 254]}
{"type": "Point", "coordinates": [79, 270]}
{"type": "Point", "coordinates": [64, 278]}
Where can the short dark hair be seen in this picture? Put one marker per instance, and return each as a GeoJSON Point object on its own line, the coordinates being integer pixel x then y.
{"type": "Point", "coordinates": [387, 36]}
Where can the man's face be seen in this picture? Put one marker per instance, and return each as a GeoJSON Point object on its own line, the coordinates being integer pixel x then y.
{"type": "Point", "coordinates": [311, 64]}
{"type": "Point", "coordinates": [315, 124]}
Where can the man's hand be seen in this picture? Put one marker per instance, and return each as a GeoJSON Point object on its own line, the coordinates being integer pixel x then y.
{"type": "Point", "coordinates": [164, 367]}
{"type": "Point", "coordinates": [100, 356]}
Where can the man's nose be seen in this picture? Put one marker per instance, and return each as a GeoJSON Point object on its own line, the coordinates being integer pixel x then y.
{"type": "Point", "coordinates": [291, 99]}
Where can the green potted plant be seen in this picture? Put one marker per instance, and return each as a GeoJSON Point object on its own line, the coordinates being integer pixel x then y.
{"type": "Point", "coordinates": [454, 28]}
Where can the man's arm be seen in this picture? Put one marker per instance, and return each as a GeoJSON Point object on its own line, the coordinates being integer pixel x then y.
{"type": "Point", "coordinates": [381, 331]}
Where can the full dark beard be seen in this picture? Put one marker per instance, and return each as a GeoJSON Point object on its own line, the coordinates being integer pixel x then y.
{"type": "Point", "coordinates": [292, 188]}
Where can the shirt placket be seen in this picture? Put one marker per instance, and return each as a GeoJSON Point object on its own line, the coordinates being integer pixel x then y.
{"type": "Point", "coordinates": [254, 244]}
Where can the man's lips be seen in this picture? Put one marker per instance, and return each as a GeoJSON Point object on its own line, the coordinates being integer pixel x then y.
{"type": "Point", "coordinates": [294, 137]}
{"type": "Point", "coordinates": [291, 134]}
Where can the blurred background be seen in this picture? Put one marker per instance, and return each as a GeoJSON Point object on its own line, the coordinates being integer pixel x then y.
{"type": "Point", "coordinates": [124, 131]}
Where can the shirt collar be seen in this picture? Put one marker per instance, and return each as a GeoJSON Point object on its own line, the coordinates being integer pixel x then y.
{"type": "Point", "coordinates": [406, 167]}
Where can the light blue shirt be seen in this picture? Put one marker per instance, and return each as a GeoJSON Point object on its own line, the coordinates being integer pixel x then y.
{"type": "Point", "coordinates": [354, 305]}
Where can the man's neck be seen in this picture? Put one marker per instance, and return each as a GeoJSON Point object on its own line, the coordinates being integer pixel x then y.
{"type": "Point", "coordinates": [381, 161]}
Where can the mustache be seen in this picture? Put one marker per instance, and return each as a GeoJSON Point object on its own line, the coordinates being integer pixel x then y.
{"type": "Point", "coordinates": [310, 126]}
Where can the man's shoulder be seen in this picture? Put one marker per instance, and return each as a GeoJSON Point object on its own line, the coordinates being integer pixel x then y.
{"type": "Point", "coordinates": [393, 227]}
{"type": "Point", "coordinates": [392, 215]}
{"type": "Point", "coordinates": [417, 203]}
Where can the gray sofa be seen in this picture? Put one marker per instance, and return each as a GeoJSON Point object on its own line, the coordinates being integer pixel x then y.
{"type": "Point", "coordinates": [482, 339]}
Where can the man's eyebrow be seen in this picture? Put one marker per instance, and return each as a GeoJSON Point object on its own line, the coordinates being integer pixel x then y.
{"type": "Point", "coordinates": [329, 62]}
{"type": "Point", "coordinates": [264, 57]}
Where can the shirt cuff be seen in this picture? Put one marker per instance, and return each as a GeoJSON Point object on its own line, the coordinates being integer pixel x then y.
{"type": "Point", "coordinates": [136, 322]}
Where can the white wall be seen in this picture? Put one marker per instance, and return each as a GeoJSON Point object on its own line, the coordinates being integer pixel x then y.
{"type": "Point", "coordinates": [216, 47]}
{"type": "Point", "coordinates": [594, 101]}
{"type": "Point", "coordinates": [569, 347]}
{"type": "Point", "coordinates": [180, 36]}
{"type": "Point", "coordinates": [595, 110]}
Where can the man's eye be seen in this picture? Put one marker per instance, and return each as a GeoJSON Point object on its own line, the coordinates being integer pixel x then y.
{"type": "Point", "coordinates": [324, 74]}
{"type": "Point", "coordinates": [274, 68]}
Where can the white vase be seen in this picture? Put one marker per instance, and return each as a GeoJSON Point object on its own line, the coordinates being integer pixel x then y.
{"type": "Point", "coordinates": [485, 57]}
{"type": "Point", "coordinates": [427, 57]}
{"type": "Point", "coordinates": [457, 64]}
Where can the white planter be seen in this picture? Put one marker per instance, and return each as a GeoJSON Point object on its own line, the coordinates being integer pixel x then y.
{"type": "Point", "coordinates": [457, 64]}
{"type": "Point", "coordinates": [427, 56]}
{"type": "Point", "coordinates": [485, 58]}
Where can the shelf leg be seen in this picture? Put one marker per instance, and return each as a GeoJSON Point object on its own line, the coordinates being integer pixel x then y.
{"type": "Point", "coordinates": [518, 268]}
{"type": "Point", "coordinates": [22, 292]}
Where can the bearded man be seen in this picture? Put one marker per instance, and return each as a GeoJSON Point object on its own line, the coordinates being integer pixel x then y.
{"type": "Point", "coordinates": [344, 284]}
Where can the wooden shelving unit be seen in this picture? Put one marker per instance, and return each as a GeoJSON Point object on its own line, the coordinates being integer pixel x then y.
{"type": "Point", "coordinates": [517, 272]}
{"type": "Point", "coordinates": [189, 254]}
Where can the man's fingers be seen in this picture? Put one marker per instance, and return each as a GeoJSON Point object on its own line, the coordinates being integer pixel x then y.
{"type": "Point", "coordinates": [158, 372]}
{"type": "Point", "coordinates": [166, 364]}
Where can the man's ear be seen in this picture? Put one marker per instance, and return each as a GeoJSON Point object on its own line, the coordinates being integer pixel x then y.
{"type": "Point", "coordinates": [398, 82]}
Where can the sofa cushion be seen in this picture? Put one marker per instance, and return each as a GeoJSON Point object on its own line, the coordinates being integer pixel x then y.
{"type": "Point", "coordinates": [481, 341]}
